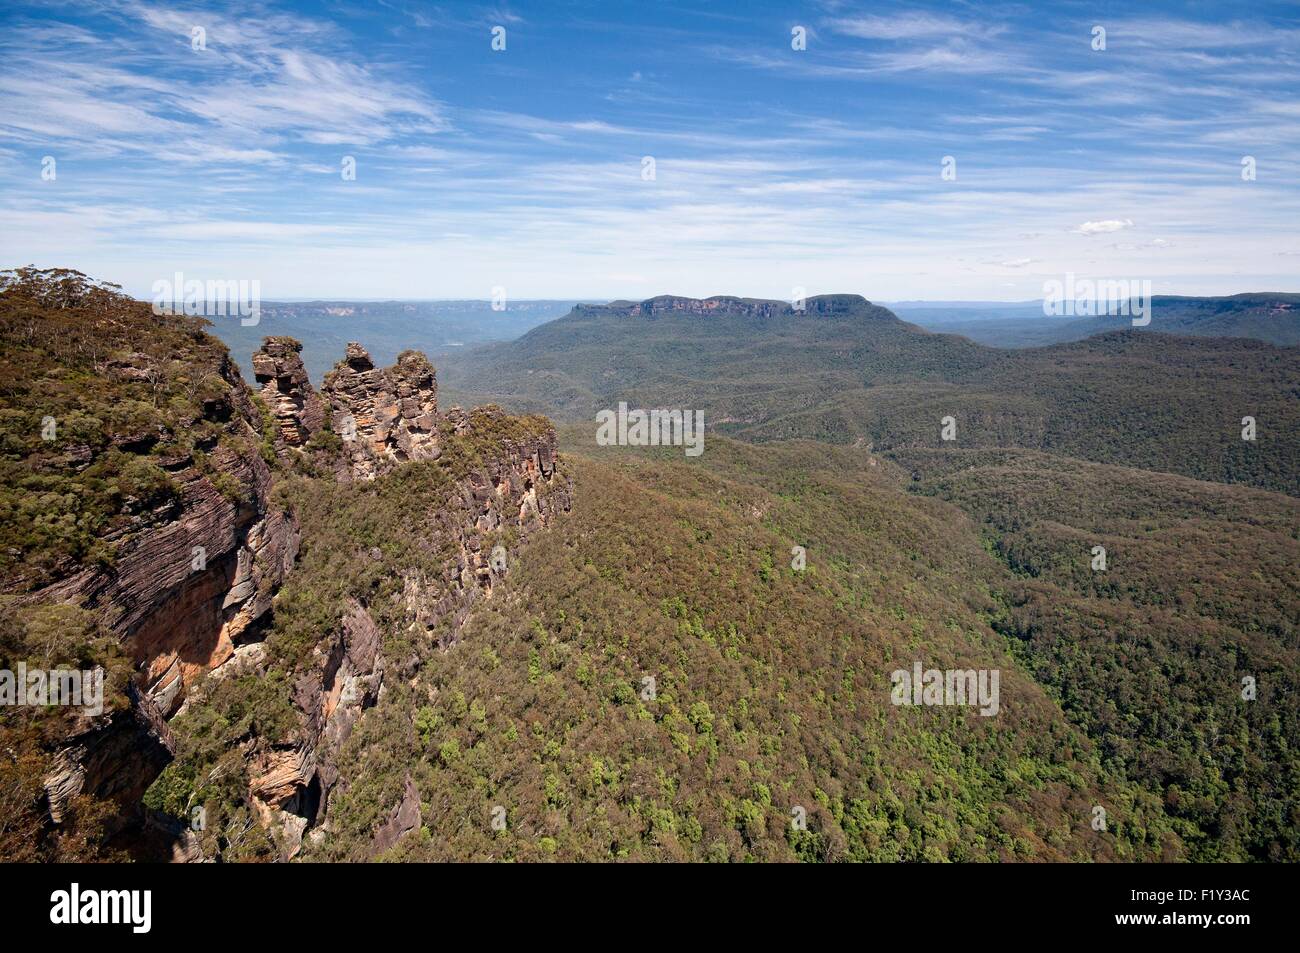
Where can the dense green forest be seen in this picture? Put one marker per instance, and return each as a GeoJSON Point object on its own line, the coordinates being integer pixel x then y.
{"type": "Point", "coordinates": [1149, 655]}
{"type": "Point", "coordinates": [857, 374]}
{"type": "Point", "coordinates": [691, 657]}
{"type": "Point", "coordinates": [1120, 689]}
{"type": "Point", "coordinates": [770, 684]}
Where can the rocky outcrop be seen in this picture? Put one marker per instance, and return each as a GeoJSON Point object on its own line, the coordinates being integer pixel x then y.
{"type": "Point", "coordinates": [193, 582]}
{"type": "Point", "coordinates": [517, 487]}
{"type": "Point", "coordinates": [114, 755]}
{"type": "Point", "coordinates": [193, 550]}
{"type": "Point", "coordinates": [405, 817]}
{"type": "Point", "coordinates": [290, 783]}
{"type": "Point", "coordinates": [506, 492]}
{"type": "Point", "coordinates": [672, 304]}
{"type": "Point", "coordinates": [287, 392]}
{"type": "Point", "coordinates": [189, 588]}
{"type": "Point", "coordinates": [384, 416]}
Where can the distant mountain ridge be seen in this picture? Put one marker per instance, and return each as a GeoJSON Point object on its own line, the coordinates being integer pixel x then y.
{"type": "Point", "coordinates": [1265, 316]}
{"type": "Point", "coordinates": [848, 371]}
{"type": "Point", "coordinates": [731, 305]}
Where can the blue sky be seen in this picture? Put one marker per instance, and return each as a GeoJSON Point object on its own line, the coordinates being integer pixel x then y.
{"type": "Point", "coordinates": [774, 168]}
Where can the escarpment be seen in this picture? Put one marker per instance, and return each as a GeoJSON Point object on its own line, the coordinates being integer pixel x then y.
{"type": "Point", "coordinates": [739, 307]}
{"type": "Point", "coordinates": [193, 578]}
{"type": "Point", "coordinates": [153, 518]}
{"type": "Point", "coordinates": [439, 552]}
{"type": "Point", "coordinates": [184, 593]}
{"type": "Point", "coordinates": [505, 492]}
{"type": "Point", "coordinates": [166, 494]}
{"type": "Point", "coordinates": [491, 482]}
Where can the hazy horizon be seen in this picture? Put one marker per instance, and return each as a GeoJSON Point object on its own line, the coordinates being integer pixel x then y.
{"type": "Point", "coordinates": [596, 299]}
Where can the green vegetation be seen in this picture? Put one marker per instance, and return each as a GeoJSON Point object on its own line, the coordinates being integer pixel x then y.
{"type": "Point", "coordinates": [1149, 656]}
{"type": "Point", "coordinates": [51, 637]}
{"type": "Point", "coordinates": [361, 541]}
{"type": "Point", "coordinates": [100, 401]}
{"type": "Point", "coordinates": [1272, 317]}
{"type": "Point", "coordinates": [863, 377]}
{"type": "Point", "coordinates": [1265, 316]}
{"type": "Point", "coordinates": [103, 407]}
{"type": "Point", "coordinates": [653, 679]}
{"type": "Point", "coordinates": [771, 688]}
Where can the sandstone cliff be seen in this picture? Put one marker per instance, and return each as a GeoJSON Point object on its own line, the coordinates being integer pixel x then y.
{"type": "Point", "coordinates": [513, 488]}
{"type": "Point", "coordinates": [286, 391]}
{"type": "Point", "coordinates": [155, 518]}
{"type": "Point", "coordinates": [181, 595]}
{"type": "Point", "coordinates": [501, 482]}
{"type": "Point", "coordinates": [384, 416]}
{"type": "Point", "coordinates": [504, 492]}
{"type": "Point", "coordinates": [194, 581]}
{"type": "Point", "coordinates": [737, 307]}
{"type": "Point", "coordinates": [167, 468]}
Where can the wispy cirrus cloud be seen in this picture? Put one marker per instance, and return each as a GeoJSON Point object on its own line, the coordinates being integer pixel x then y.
{"type": "Point", "coordinates": [524, 168]}
{"type": "Point", "coordinates": [257, 80]}
{"type": "Point", "coordinates": [913, 25]}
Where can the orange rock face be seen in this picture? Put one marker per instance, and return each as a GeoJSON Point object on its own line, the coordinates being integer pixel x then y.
{"type": "Point", "coordinates": [185, 591]}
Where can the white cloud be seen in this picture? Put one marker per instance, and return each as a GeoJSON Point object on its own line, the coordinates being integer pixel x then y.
{"type": "Point", "coordinates": [1186, 34]}
{"type": "Point", "coordinates": [261, 80]}
{"type": "Point", "coordinates": [910, 26]}
{"type": "Point", "coordinates": [1104, 227]}
{"type": "Point", "coordinates": [228, 161]}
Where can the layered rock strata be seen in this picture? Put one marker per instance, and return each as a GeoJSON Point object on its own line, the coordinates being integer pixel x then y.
{"type": "Point", "coordinates": [195, 581]}
{"type": "Point", "coordinates": [190, 580]}
{"type": "Point", "coordinates": [286, 390]}
{"type": "Point", "coordinates": [384, 416]}
{"type": "Point", "coordinates": [191, 586]}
